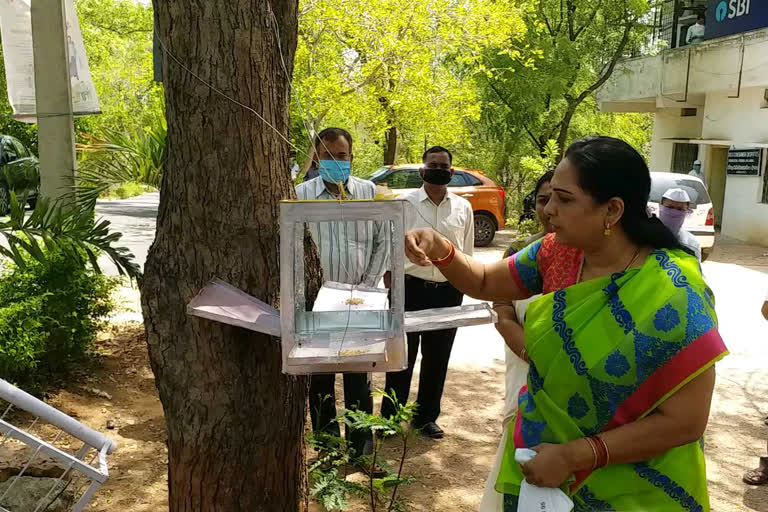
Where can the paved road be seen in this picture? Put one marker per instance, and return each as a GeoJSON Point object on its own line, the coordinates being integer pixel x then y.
{"type": "Point", "coordinates": [135, 219]}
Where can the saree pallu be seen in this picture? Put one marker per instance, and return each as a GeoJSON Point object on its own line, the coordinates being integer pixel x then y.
{"type": "Point", "coordinates": [607, 352]}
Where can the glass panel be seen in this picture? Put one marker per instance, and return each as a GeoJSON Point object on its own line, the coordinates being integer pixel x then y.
{"type": "Point", "coordinates": [414, 179]}
{"type": "Point", "coordinates": [472, 180]}
{"type": "Point", "coordinates": [398, 179]}
{"type": "Point", "coordinates": [660, 183]}
{"type": "Point", "coordinates": [8, 151]}
{"type": "Point", "coordinates": [20, 149]}
{"type": "Point", "coordinates": [458, 180]}
{"type": "Point", "coordinates": [353, 302]}
{"type": "Point", "coordinates": [377, 174]}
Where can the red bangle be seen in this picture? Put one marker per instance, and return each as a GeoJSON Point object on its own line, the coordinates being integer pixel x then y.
{"type": "Point", "coordinates": [446, 260]}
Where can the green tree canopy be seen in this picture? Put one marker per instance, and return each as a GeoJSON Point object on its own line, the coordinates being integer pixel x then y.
{"type": "Point", "coordinates": [383, 69]}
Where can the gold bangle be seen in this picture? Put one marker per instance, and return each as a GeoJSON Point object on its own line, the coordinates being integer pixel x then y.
{"type": "Point", "coordinates": [607, 453]}
{"type": "Point", "coordinates": [450, 250]}
{"type": "Point", "coordinates": [594, 451]}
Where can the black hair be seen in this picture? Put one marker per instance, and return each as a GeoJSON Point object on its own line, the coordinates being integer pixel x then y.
{"type": "Point", "coordinates": [436, 149]}
{"type": "Point", "coordinates": [331, 134]}
{"type": "Point", "coordinates": [609, 168]}
{"type": "Point", "coordinates": [545, 178]}
{"type": "Point", "coordinates": [701, 16]}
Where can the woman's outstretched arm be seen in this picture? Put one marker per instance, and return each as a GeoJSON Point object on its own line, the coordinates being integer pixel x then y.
{"type": "Point", "coordinates": [484, 281]}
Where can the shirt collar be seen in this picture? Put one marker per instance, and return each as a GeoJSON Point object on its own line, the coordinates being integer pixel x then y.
{"type": "Point", "coordinates": [320, 187]}
{"type": "Point", "coordinates": [423, 196]}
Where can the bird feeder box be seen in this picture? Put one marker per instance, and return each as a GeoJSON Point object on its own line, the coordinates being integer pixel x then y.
{"type": "Point", "coordinates": [350, 326]}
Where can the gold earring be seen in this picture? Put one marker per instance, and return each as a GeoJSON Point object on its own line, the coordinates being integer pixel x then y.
{"type": "Point", "coordinates": [607, 231]}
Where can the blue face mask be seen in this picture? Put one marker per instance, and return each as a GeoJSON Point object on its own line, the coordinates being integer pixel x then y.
{"type": "Point", "coordinates": [334, 171]}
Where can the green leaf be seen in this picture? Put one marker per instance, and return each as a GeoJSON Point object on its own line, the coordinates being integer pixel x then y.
{"type": "Point", "coordinates": [67, 224]}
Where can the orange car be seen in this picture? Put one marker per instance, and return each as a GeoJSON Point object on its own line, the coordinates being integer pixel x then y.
{"type": "Point", "coordinates": [486, 197]}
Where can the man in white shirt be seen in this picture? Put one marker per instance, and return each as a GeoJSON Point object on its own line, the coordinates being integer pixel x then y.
{"type": "Point", "coordinates": [294, 165]}
{"type": "Point", "coordinates": [675, 207]}
{"type": "Point", "coordinates": [695, 32]}
{"type": "Point", "coordinates": [352, 252]}
{"type": "Point", "coordinates": [696, 170]}
{"type": "Point", "coordinates": [425, 287]}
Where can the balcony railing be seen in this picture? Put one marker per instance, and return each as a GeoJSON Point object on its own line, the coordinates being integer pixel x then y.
{"type": "Point", "coordinates": [671, 19]}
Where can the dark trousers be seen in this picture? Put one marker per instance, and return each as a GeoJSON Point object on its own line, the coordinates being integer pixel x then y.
{"type": "Point", "coordinates": [435, 352]}
{"type": "Point", "coordinates": [322, 405]}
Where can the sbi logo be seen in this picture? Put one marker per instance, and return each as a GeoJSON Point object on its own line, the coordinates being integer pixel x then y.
{"type": "Point", "coordinates": [731, 9]}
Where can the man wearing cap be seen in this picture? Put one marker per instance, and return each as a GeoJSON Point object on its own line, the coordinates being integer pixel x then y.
{"type": "Point", "coordinates": [696, 171]}
{"type": "Point", "coordinates": [675, 207]}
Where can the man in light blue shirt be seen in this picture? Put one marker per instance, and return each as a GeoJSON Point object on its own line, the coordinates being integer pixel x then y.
{"type": "Point", "coordinates": [351, 252]}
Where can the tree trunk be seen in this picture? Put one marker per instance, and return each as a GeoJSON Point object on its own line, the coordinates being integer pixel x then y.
{"type": "Point", "coordinates": [235, 423]}
{"type": "Point", "coordinates": [565, 126]}
{"type": "Point", "coordinates": [390, 148]}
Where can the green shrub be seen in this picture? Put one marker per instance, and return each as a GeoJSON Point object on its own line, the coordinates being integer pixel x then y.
{"type": "Point", "coordinates": [49, 314]}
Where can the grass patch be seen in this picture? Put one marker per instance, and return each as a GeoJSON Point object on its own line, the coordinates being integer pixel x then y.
{"type": "Point", "coordinates": [126, 190]}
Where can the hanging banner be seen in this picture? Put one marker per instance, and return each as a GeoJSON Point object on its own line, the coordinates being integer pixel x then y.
{"type": "Point", "coordinates": [18, 55]}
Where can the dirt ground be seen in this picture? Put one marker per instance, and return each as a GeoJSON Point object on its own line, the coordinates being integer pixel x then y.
{"type": "Point", "coordinates": [450, 473]}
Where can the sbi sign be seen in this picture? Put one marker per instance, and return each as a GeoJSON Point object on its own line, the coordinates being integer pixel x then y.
{"type": "Point", "coordinates": [731, 9]}
{"type": "Point", "coordinates": [725, 17]}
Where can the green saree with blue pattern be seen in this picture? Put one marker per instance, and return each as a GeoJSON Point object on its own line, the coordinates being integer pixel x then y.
{"type": "Point", "coordinates": [607, 352]}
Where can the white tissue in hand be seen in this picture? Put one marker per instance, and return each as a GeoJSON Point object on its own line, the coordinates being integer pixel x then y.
{"type": "Point", "coordinates": [540, 499]}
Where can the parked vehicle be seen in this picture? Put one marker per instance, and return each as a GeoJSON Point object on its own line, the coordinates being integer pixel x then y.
{"type": "Point", "coordinates": [485, 196]}
{"type": "Point", "coordinates": [701, 222]}
{"type": "Point", "coordinates": [19, 171]}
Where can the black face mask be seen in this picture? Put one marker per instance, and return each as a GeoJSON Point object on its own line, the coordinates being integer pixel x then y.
{"type": "Point", "coordinates": [436, 176]}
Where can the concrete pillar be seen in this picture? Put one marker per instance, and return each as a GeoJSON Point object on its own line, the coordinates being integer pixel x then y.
{"type": "Point", "coordinates": [53, 93]}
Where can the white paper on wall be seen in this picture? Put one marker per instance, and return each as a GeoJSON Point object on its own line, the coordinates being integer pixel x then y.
{"type": "Point", "coordinates": [18, 55]}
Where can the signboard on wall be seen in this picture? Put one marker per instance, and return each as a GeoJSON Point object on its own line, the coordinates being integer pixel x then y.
{"type": "Point", "coordinates": [744, 162]}
{"type": "Point", "coordinates": [726, 17]}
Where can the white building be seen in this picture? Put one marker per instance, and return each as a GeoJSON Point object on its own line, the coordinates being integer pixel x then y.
{"type": "Point", "coordinates": [710, 102]}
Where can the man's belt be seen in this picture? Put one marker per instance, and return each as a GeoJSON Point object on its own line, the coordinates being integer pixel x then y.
{"type": "Point", "coordinates": [425, 283]}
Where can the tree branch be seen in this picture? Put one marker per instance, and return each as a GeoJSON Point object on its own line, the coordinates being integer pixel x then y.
{"type": "Point", "coordinates": [504, 100]}
{"type": "Point", "coordinates": [118, 31]}
{"type": "Point", "coordinates": [371, 76]}
{"type": "Point", "coordinates": [536, 141]}
{"type": "Point", "coordinates": [608, 71]}
{"type": "Point", "coordinates": [546, 20]}
{"type": "Point", "coordinates": [590, 19]}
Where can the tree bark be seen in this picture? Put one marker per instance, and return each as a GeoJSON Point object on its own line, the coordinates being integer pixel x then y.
{"type": "Point", "coordinates": [235, 423]}
{"type": "Point", "coordinates": [390, 148]}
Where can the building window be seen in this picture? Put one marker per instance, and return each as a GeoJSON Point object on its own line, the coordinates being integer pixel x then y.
{"type": "Point", "coordinates": [683, 156]}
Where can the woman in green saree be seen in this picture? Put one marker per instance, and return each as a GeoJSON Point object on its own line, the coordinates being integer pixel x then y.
{"type": "Point", "coordinates": [621, 346]}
